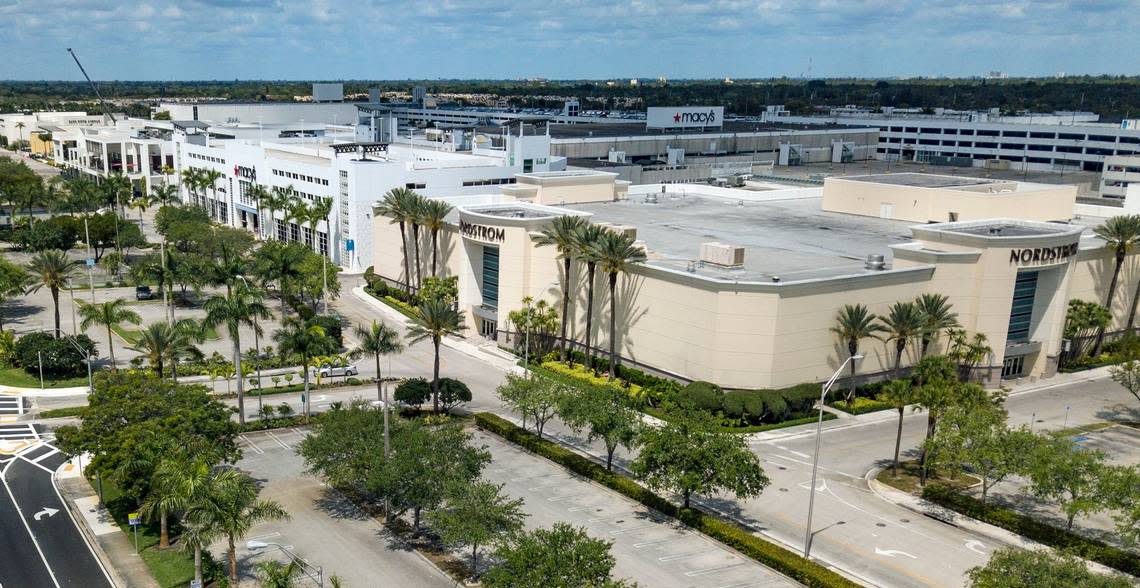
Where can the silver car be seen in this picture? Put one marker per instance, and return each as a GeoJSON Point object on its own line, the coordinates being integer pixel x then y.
{"type": "Point", "coordinates": [327, 370]}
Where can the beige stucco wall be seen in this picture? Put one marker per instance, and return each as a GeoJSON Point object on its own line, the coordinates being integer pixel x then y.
{"type": "Point", "coordinates": [774, 335]}
{"type": "Point", "coordinates": [1048, 203]}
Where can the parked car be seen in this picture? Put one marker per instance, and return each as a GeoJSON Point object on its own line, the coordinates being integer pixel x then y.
{"type": "Point", "coordinates": [327, 370]}
{"type": "Point", "coordinates": [143, 293]}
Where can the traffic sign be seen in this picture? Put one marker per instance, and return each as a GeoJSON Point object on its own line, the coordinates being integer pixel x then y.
{"type": "Point", "coordinates": [195, 584]}
{"type": "Point", "coordinates": [133, 519]}
{"type": "Point", "coordinates": [349, 245]}
{"type": "Point", "coordinates": [90, 262]}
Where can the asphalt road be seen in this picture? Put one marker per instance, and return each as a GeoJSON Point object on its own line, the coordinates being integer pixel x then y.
{"type": "Point", "coordinates": [40, 543]}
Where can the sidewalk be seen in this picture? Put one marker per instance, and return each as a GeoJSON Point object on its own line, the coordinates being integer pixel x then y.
{"type": "Point", "coordinates": [918, 505]}
{"type": "Point", "coordinates": [110, 544]}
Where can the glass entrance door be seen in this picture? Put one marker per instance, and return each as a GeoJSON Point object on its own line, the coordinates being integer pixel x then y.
{"type": "Point", "coordinates": [1013, 367]}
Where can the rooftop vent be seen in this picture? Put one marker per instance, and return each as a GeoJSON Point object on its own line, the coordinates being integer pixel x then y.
{"type": "Point", "coordinates": [875, 262]}
{"type": "Point", "coordinates": [995, 231]}
{"type": "Point", "coordinates": [651, 198]}
{"type": "Point", "coordinates": [722, 254]}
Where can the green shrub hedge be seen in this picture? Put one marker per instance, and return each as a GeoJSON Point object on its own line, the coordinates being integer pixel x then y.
{"type": "Point", "coordinates": [862, 405]}
{"type": "Point", "coordinates": [731, 534]}
{"type": "Point", "coordinates": [1031, 528]}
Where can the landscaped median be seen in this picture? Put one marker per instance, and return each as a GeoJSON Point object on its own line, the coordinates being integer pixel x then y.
{"type": "Point", "coordinates": [727, 532]}
{"type": "Point", "coordinates": [1030, 528]}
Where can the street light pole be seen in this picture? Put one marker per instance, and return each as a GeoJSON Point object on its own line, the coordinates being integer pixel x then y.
{"type": "Point", "coordinates": [815, 458]}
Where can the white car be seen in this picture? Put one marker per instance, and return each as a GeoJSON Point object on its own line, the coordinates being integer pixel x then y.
{"type": "Point", "coordinates": [326, 370]}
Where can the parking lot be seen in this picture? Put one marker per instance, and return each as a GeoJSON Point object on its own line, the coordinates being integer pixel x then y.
{"type": "Point", "coordinates": [325, 529]}
{"type": "Point", "coordinates": [649, 548]}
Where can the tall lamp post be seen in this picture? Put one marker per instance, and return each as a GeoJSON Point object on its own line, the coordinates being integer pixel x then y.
{"type": "Point", "coordinates": [815, 458]}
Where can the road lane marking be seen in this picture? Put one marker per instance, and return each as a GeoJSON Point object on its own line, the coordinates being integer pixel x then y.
{"type": "Point", "coordinates": [976, 546]}
{"type": "Point", "coordinates": [893, 553]}
{"type": "Point", "coordinates": [36, 464]}
{"type": "Point", "coordinates": [75, 523]}
{"type": "Point", "coordinates": [45, 456]}
{"type": "Point", "coordinates": [20, 513]}
{"type": "Point", "coordinates": [713, 570]}
{"type": "Point", "coordinates": [46, 512]}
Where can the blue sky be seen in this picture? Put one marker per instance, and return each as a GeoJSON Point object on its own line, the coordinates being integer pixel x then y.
{"type": "Point", "coordinates": [560, 39]}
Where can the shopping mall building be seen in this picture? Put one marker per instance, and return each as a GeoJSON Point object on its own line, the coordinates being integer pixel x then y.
{"type": "Point", "coordinates": [741, 286]}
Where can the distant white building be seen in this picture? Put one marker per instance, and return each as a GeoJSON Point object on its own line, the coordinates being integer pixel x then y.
{"type": "Point", "coordinates": [20, 126]}
{"type": "Point", "coordinates": [1119, 172]}
{"type": "Point", "coordinates": [139, 149]}
{"type": "Point", "coordinates": [354, 175]}
{"type": "Point", "coordinates": [268, 113]}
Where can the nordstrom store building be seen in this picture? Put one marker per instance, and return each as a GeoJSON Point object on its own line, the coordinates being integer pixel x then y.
{"type": "Point", "coordinates": [742, 286]}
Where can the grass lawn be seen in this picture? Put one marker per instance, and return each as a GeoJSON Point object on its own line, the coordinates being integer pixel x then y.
{"type": "Point", "coordinates": [56, 413]}
{"type": "Point", "coordinates": [909, 476]}
{"type": "Point", "coordinates": [131, 335]}
{"type": "Point", "coordinates": [170, 567]}
{"type": "Point", "coordinates": [22, 379]}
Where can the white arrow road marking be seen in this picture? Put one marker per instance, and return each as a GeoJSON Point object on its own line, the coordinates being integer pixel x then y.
{"type": "Point", "coordinates": [893, 553]}
{"type": "Point", "coordinates": [820, 487]}
{"type": "Point", "coordinates": [976, 546]}
{"type": "Point", "coordinates": [46, 512]}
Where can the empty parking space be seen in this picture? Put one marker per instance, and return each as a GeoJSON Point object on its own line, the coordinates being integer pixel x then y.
{"type": "Point", "coordinates": [650, 548]}
{"type": "Point", "coordinates": [1120, 443]}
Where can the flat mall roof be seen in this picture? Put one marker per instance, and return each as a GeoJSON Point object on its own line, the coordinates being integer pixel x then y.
{"type": "Point", "coordinates": [920, 180]}
{"type": "Point", "coordinates": [790, 238]}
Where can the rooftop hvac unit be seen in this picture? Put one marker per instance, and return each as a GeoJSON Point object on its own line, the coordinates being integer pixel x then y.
{"type": "Point", "coordinates": [875, 262]}
{"type": "Point", "coordinates": [722, 254]}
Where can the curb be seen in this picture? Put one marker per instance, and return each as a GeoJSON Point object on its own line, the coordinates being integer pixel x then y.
{"type": "Point", "coordinates": [84, 530]}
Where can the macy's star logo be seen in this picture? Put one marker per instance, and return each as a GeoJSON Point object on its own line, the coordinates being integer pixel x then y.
{"type": "Point", "coordinates": [677, 117]}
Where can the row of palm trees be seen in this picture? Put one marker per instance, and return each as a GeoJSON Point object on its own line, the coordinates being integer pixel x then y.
{"type": "Point", "coordinates": [1120, 234]}
{"type": "Point", "coordinates": [409, 209]}
{"type": "Point", "coordinates": [920, 320]}
{"type": "Point", "coordinates": [579, 241]}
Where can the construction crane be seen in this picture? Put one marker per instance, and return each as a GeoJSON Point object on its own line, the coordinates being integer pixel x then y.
{"type": "Point", "coordinates": [102, 102]}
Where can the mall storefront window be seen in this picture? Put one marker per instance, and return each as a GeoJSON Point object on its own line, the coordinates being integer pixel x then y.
{"type": "Point", "coordinates": [1020, 319]}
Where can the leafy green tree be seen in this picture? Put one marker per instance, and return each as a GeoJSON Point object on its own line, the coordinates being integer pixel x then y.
{"type": "Point", "coordinates": [242, 306]}
{"type": "Point", "coordinates": [854, 323]}
{"type": "Point", "coordinates": [690, 454]}
{"type": "Point", "coordinates": [433, 320]}
{"type": "Point", "coordinates": [603, 413]}
{"type": "Point", "coordinates": [425, 462]}
{"type": "Point", "coordinates": [978, 437]}
{"type": "Point", "coordinates": [342, 446]}
{"type": "Point", "coordinates": [110, 314]}
{"type": "Point", "coordinates": [534, 398]}
{"type": "Point", "coordinates": [312, 284]}
{"type": "Point", "coordinates": [903, 322]}
{"type": "Point", "coordinates": [53, 269]}
{"type": "Point", "coordinates": [562, 234]}
{"type": "Point", "coordinates": [1083, 321]}
{"type": "Point", "coordinates": [413, 392]}
{"type": "Point", "coordinates": [1069, 475]}
{"type": "Point", "coordinates": [230, 505]}
{"type": "Point", "coordinates": [1012, 567]}
{"type": "Point", "coordinates": [563, 556]}
{"type": "Point", "coordinates": [306, 341]}
{"type": "Point", "coordinates": [477, 514]}
{"type": "Point", "coordinates": [134, 419]}
{"type": "Point", "coordinates": [938, 391]}
{"type": "Point", "coordinates": [1127, 375]}
{"type": "Point", "coordinates": [13, 281]}
{"type": "Point", "coordinates": [936, 317]}
{"type": "Point", "coordinates": [534, 324]}
{"type": "Point", "coordinates": [1121, 488]}
{"type": "Point", "coordinates": [445, 289]}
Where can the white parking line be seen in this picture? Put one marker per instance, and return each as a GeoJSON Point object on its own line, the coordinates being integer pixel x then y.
{"type": "Point", "coordinates": [632, 529]}
{"type": "Point", "coordinates": [251, 444]}
{"type": "Point", "coordinates": [677, 556]}
{"type": "Point", "coordinates": [712, 570]}
{"type": "Point", "coordinates": [278, 440]}
{"type": "Point", "coordinates": [656, 542]}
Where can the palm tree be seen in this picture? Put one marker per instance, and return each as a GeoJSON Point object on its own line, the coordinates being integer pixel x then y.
{"type": "Point", "coordinates": [416, 212]}
{"type": "Point", "coordinates": [51, 268]}
{"type": "Point", "coordinates": [162, 342]}
{"type": "Point", "coordinates": [141, 203]}
{"type": "Point", "coordinates": [110, 314]}
{"type": "Point", "coordinates": [164, 195]}
{"type": "Point", "coordinates": [434, 319]}
{"type": "Point", "coordinates": [904, 321]}
{"type": "Point", "coordinates": [586, 251]}
{"type": "Point", "coordinates": [230, 506]}
{"type": "Point", "coordinates": [616, 252]}
{"type": "Point", "coordinates": [1120, 234]}
{"type": "Point", "coordinates": [854, 323]}
{"type": "Point", "coordinates": [279, 262]}
{"type": "Point", "coordinates": [173, 488]}
{"type": "Point", "coordinates": [397, 205]}
{"type": "Point", "coordinates": [241, 306]}
{"type": "Point", "coordinates": [562, 233]}
{"type": "Point", "coordinates": [898, 394]}
{"type": "Point", "coordinates": [936, 317]}
{"type": "Point", "coordinates": [318, 211]}
{"type": "Point", "coordinates": [307, 341]}
{"type": "Point", "coordinates": [192, 179]}
{"type": "Point", "coordinates": [279, 199]}
{"type": "Point", "coordinates": [20, 128]}
{"type": "Point", "coordinates": [297, 212]}
{"type": "Point", "coordinates": [196, 537]}
{"type": "Point", "coordinates": [210, 179]}
{"type": "Point", "coordinates": [260, 195]}
{"type": "Point", "coordinates": [378, 339]}
{"type": "Point", "coordinates": [274, 574]}
{"type": "Point", "coordinates": [433, 215]}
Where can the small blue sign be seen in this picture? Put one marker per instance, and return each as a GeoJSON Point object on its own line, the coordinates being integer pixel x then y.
{"type": "Point", "coordinates": [90, 262]}
{"type": "Point", "coordinates": [350, 245]}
